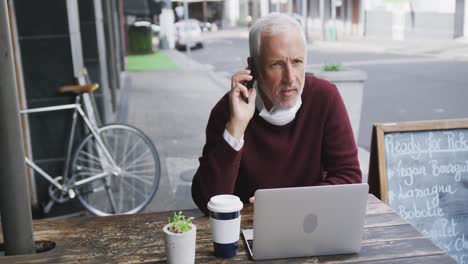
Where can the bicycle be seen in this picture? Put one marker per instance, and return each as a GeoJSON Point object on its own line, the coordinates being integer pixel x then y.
{"type": "Point", "coordinates": [114, 170]}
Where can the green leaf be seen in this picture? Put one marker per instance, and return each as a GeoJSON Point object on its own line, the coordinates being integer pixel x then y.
{"type": "Point", "coordinates": [179, 223]}
{"type": "Point", "coordinates": [332, 67]}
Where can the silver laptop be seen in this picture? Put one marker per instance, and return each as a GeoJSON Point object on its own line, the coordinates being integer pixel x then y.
{"type": "Point", "coordinates": [307, 221]}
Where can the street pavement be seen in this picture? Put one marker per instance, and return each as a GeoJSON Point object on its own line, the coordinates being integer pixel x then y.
{"type": "Point", "coordinates": [172, 106]}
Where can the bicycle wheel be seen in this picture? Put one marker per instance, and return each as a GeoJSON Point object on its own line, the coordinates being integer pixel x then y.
{"type": "Point", "coordinates": [128, 183]}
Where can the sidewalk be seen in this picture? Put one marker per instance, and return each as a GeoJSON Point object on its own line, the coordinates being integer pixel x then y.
{"type": "Point", "coordinates": [172, 108]}
{"type": "Point", "coordinates": [456, 49]}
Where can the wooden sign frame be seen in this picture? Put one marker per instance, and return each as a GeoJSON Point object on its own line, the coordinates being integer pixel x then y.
{"type": "Point", "coordinates": [378, 168]}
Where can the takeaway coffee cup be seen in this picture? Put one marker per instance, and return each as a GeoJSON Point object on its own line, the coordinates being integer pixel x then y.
{"type": "Point", "coordinates": [225, 224]}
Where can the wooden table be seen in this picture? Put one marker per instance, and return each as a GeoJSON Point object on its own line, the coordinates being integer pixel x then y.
{"type": "Point", "coordinates": [138, 238]}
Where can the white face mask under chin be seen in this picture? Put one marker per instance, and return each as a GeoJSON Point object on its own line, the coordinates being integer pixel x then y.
{"type": "Point", "coordinates": [278, 116]}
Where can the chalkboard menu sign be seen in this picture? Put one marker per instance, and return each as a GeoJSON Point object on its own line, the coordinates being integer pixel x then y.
{"type": "Point", "coordinates": [420, 169]}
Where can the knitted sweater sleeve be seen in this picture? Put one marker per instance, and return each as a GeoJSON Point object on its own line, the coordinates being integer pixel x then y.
{"type": "Point", "coordinates": [219, 164]}
{"type": "Point", "coordinates": [339, 151]}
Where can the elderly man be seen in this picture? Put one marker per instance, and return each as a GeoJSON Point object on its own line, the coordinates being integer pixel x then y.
{"type": "Point", "coordinates": [288, 130]}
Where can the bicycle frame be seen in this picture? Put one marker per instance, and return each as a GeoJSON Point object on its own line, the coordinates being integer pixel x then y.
{"type": "Point", "coordinates": [66, 187]}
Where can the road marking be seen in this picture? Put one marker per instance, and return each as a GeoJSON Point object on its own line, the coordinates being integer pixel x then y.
{"type": "Point", "coordinates": [438, 110]}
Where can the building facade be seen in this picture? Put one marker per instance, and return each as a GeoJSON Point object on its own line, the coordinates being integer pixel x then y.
{"type": "Point", "coordinates": [338, 19]}
{"type": "Point", "coordinates": [55, 41]}
{"type": "Point", "coordinates": [416, 19]}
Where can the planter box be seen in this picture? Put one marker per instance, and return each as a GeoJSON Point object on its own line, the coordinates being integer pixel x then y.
{"type": "Point", "coordinates": [350, 84]}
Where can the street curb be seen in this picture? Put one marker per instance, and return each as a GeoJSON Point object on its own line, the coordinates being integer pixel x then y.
{"type": "Point", "coordinates": [451, 49]}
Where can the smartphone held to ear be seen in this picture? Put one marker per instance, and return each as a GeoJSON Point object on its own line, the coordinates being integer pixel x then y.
{"type": "Point", "coordinates": [249, 84]}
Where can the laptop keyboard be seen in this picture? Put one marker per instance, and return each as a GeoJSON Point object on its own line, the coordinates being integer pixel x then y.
{"type": "Point", "coordinates": [250, 242]}
{"type": "Point", "coordinates": [248, 238]}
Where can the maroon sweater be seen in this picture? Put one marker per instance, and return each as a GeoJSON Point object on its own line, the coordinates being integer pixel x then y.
{"type": "Point", "coordinates": [316, 148]}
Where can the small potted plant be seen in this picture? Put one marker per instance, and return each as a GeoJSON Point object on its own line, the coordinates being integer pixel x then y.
{"type": "Point", "coordinates": [180, 237]}
{"type": "Point", "coordinates": [332, 67]}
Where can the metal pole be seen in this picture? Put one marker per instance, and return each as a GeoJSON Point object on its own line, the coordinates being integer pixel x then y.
{"type": "Point", "coordinates": [205, 11]}
{"type": "Point", "coordinates": [362, 19]}
{"type": "Point", "coordinates": [304, 17]}
{"type": "Point", "coordinates": [15, 205]}
{"type": "Point", "coordinates": [333, 17]}
{"type": "Point", "coordinates": [322, 18]}
{"type": "Point", "coordinates": [111, 50]}
{"type": "Point", "coordinates": [123, 35]}
{"type": "Point", "coordinates": [22, 103]}
{"type": "Point", "coordinates": [186, 17]}
{"type": "Point", "coordinates": [465, 25]}
{"type": "Point", "coordinates": [255, 10]}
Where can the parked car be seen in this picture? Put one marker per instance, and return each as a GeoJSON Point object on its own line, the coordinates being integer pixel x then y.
{"type": "Point", "coordinates": [207, 26]}
{"type": "Point", "coordinates": [188, 33]}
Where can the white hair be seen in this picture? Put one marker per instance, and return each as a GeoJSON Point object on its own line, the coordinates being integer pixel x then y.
{"type": "Point", "coordinates": [270, 25]}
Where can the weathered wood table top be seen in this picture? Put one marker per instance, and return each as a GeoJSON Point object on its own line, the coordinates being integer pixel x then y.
{"type": "Point", "coordinates": [139, 239]}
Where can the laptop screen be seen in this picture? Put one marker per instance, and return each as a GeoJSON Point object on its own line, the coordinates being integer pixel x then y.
{"type": "Point", "coordinates": [303, 221]}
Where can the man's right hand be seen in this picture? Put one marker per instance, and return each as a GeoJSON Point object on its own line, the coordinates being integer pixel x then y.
{"type": "Point", "coordinates": [241, 103]}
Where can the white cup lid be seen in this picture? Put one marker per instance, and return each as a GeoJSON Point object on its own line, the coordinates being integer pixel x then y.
{"type": "Point", "coordinates": [225, 203]}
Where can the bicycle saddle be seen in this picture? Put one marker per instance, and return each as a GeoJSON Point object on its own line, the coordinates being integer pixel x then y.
{"type": "Point", "coordinates": [87, 88]}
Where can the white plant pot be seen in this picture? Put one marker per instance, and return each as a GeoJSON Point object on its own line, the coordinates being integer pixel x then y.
{"type": "Point", "coordinates": [180, 248]}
